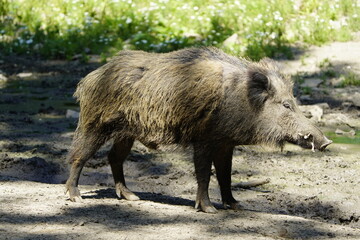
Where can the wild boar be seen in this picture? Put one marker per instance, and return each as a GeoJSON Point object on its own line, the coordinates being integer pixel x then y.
{"type": "Point", "coordinates": [196, 96]}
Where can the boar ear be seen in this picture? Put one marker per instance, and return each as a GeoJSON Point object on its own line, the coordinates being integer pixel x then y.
{"type": "Point", "coordinates": [259, 87]}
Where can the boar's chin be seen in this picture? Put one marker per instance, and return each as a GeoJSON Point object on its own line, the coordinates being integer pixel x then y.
{"type": "Point", "coordinates": [309, 142]}
{"type": "Point", "coordinates": [304, 143]}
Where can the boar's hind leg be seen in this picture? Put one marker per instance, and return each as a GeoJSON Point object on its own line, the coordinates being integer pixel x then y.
{"type": "Point", "coordinates": [117, 156]}
{"type": "Point", "coordinates": [84, 147]}
{"type": "Point", "coordinates": [223, 161]}
{"type": "Point", "coordinates": [203, 161]}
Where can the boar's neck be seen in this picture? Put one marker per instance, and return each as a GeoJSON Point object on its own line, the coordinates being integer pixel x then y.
{"type": "Point", "coordinates": [235, 122]}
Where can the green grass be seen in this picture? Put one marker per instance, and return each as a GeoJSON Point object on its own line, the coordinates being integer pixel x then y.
{"type": "Point", "coordinates": [344, 139]}
{"type": "Point", "coordinates": [350, 79]}
{"type": "Point", "coordinates": [328, 71]}
{"type": "Point", "coordinates": [62, 29]}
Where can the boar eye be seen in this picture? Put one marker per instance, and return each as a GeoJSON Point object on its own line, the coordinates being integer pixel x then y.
{"type": "Point", "coordinates": [287, 105]}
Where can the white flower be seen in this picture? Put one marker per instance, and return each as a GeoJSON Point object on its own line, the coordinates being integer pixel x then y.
{"type": "Point", "coordinates": [128, 20]}
{"type": "Point", "coordinates": [273, 35]}
{"type": "Point", "coordinates": [277, 16]}
{"type": "Point", "coordinates": [343, 22]}
{"type": "Point", "coordinates": [335, 24]}
{"type": "Point", "coordinates": [261, 34]}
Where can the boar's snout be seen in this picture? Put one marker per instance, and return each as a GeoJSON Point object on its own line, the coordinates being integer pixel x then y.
{"type": "Point", "coordinates": [326, 142]}
{"type": "Point", "coordinates": [318, 141]}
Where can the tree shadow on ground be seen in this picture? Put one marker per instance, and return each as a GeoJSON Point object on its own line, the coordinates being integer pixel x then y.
{"type": "Point", "coordinates": [144, 196]}
{"type": "Point", "coordinates": [126, 217]}
{"type": "Point", "coordinates": [35, 134]}
{"type": "Point", "coordinates": [272, 203]}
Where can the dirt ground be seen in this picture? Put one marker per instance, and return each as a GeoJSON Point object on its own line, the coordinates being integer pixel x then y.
{"type": "Point", "coordinates": [310, 195]}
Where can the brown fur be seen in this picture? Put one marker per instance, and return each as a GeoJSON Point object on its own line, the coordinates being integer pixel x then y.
{"type": "Point", "coordinates": [160, 105]}
{"type": "Point", "coordinates": [198, 96]}
{"type": "Point", "coordinates": [171, 104]}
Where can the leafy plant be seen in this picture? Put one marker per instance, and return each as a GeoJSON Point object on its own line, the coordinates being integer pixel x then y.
{"type": "Point", "coordinates": [350, 79]}
{"type": "Point", "coordinates": [62, 29]}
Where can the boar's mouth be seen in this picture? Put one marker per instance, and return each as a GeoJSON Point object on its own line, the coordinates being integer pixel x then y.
{"type": "Point", "coordinates": [308, 141]}
{"type": "Point", "coordinates": [323, 146]}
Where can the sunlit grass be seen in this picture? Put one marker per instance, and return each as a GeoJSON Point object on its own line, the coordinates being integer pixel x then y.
{"type": "Point", "coordinates": [64, 28]}
{"type": "Point", "coordinates": [344, 139]}
{"type": "Point", "coordinates": [349, 79]}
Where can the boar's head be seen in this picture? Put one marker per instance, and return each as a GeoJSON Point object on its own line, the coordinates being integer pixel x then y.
{"type": "Point", "coordinates": [278, 117]}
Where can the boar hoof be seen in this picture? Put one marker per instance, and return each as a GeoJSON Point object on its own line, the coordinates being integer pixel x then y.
{"type": "Point", "coordinates": [74, 194]}
{"type": "Point", "coordinates": [234, 206]}
{"type": "Point", "coordinates": [207, 208]}
{"type": "Point", "coordinates": [123, 192]}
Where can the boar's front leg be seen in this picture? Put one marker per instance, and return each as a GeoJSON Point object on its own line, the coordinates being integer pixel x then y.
{"type": "Point", "coordinates": [117, 156]}
{"type": "Point", "coordinates": [222, 159]}
{"type": "Point", "coordinates": [221, 156]}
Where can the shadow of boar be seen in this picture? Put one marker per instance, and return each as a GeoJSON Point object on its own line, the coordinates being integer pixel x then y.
{"type": "Point", "coordinates": [197, 96]}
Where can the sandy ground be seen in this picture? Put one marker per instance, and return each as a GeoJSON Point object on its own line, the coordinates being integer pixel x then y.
{"type": "Point", "coordinates": [310, 195]}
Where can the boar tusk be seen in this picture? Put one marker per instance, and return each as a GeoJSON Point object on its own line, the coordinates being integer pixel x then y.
{"type": "Point", "coordinates": [312, 147]}
{"type": "Point", "coordinates": [307, 136]}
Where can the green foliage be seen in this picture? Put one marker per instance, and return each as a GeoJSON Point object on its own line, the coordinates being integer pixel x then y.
{"type": "Point", "coordinates": [64, 28]}
{"type": "Point", "coordinates": [298, 78]}
{"type": "Point", "coordinates": [350, 79]}
{"type": "Point", "coordinates": [325, 64]}
{"type": "Point", "coordinates": [306, 90]}
{"type": "Point", "coordinates": [327, 69]}
{"type": "Point", "coordinates": [344, 139]}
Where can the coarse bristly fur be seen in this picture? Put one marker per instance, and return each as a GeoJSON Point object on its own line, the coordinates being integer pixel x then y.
{"type": "Point", "coordinates": [132, 95]}
{"type": "Point", "coordinates": [182, 96]}
{"type": "Point", "coordinates": [198, 96]}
